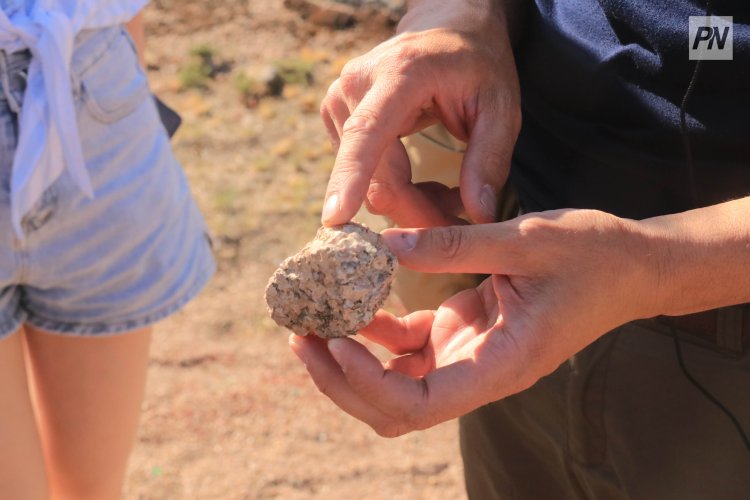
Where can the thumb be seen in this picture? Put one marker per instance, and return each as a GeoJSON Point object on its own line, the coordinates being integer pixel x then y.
{"type": "Point", "coordinates": [487, 162]}
{"type": "Point", "coordinates": [480, 249]}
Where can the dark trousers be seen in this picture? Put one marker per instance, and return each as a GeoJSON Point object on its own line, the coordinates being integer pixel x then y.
{"type": "Point", "coordinates": [619, 420]}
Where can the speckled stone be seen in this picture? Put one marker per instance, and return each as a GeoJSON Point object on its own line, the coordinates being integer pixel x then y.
{"type": "Point", "coordinates": [335, 284]}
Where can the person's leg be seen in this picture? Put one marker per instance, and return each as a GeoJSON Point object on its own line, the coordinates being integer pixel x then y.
{"type": "Point", "coordinates": [548, 441]}
{"type": "Point", "coordinates": [21, 462]}
{"type": "Point", "coordinates": [515, 448]}
{"type": "Point", "coordinates": [88, 393]}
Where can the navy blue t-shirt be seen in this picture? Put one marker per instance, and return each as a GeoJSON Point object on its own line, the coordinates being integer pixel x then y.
{"type": "Point", "coordinates": [601, 84]}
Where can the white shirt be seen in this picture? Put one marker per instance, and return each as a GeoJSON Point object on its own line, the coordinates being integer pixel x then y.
{"type": "Point", "coordinates": [48, 140]}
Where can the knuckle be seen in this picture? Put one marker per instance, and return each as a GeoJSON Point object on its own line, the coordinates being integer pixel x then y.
{"type": "Point", "coordinates": [331, 101]}
{"type": "Point", "coordinates": [543, 239]}
{"type": "Point", "coordinates": [352, 66]}
{"type": "Point", "coordinates": [333, 92]}
{"type": "Point", "coordinates": [325, 107]}
{"type": "Point", "coordinates": [403, 61]}
{"type": "Point", "coordinates": [533, 227]}
{"type": "Point", "coordinates": [362, 122]}
{"type": "Point", "coordinates": [449, 241]}
{"type": "Point", "coordinates": [350, 79]}
{"type": "Point", "coordinates": [381, 198]}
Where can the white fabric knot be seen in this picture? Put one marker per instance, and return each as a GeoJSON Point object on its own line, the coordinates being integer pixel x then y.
{"type": "Point", "coordinates": [48, 139]}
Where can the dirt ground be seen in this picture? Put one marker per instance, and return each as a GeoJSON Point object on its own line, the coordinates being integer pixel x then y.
{"type": "Point", "coordinates": [229, 412]}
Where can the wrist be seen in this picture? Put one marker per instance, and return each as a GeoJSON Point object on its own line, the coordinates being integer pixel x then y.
{"type": "Point", "coordinates": [645, 263]}
{"type": "Point", "coordinates": [698, 258]}
{"type": "Point", "coordinates": [651, 258]}
{"type": "Point", "coordinates": [674, 260]}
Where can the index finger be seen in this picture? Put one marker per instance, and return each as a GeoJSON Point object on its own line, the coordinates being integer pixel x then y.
{"type": "Point", "coordinates": [390, 109]}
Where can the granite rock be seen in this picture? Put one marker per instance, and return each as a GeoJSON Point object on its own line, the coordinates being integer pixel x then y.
{"type": "Point", "coordinates": [335, 284]}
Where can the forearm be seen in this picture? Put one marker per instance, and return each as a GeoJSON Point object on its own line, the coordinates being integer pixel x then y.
{"type": "Point", "coordinates": [699, 259]}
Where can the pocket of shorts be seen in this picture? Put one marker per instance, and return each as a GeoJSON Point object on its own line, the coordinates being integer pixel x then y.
{"type": "Point", "coordinates": [114, 86]}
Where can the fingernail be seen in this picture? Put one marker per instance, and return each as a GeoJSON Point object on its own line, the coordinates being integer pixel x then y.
{"type": "Point", "coordinates": [297, 349]}
{"type": "Point", "coordinates": [331, 207]}
{"type": "Point", "coordinates": [400, 241]}
{"type": "Point", "coordinates": [336, 348]}
{"type": "Point", "coordinates": [488, 199]}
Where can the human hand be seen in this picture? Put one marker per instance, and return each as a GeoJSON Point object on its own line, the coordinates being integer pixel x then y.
{"type": "Point", "coordinates": [451, 62]}
{"type": "Point", "coordinates": [560, 280]}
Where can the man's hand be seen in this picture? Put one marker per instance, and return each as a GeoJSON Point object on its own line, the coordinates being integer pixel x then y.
{"type": "Point", "coordinates": [560, 280]}
{"type": "Point", "coordinates": [451, 63]}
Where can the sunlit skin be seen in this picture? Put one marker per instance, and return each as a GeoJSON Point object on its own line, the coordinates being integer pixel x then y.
{"type": "Point", "coordinates": [559, 279]}
{"type": "Point", "coordinates": [136, 29]}
{"type": "Point", "coordinates": [450, 64]}
{"type": "Point", "coordinates": [70, 408]}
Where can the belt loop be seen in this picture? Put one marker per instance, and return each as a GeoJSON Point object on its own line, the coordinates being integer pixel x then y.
{"type": "Point", "coordinates": [5, 82]}
{"type": "Point", "coordinates": [729, 328]}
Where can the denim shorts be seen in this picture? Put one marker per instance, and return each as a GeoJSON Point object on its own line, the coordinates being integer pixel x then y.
{"type": "Point", "coordinates": [139, 249]}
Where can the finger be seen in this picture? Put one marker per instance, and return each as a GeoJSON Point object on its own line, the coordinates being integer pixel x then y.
{"type": "Point", "coordinates": [391, 193]}
{"type": "Point", "coordinates": [377, 122]}
{"type": "Point", "coordinates": [450, 331]}
{"type": "Point", "coordinates": [486, 163]}
{"type": "Point", "coordinates": [453, 330]}
{"type": "Point", "coordinates": [414, 403]}
{"type": "Point", "coordinates": [400, 335]}
{"type": "Point", "coordinates": [415, 364]}
{"type": "Point", "coordinates": [447, 199]}
{"type": "Point", "coordinates": [338, 107]}
{"type": "Point", "coordinates": [333, 135]}
{"type": "Point", "coordinates": [400, 397]}
{"type": "Point", "coordinates": [482, 249]}
{"type": "Point", "coordinates": [357, 78]}
{"type": "Point", "coordinates": [330, 380]}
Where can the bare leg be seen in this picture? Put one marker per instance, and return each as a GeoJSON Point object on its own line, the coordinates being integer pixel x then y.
{"type": "Point", "coordinates": [88, 394]}
{"type": "Point", "coordinates": [21, 462]}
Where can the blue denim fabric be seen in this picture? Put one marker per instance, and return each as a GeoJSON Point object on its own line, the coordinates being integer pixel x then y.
{"type": "Point", "coordinates": [136, 252]}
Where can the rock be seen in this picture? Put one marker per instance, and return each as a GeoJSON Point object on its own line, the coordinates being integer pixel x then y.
{"type": "Point", "coordinates": [272, 80]}
{"type": "Point", "coordinates": [334, 285]}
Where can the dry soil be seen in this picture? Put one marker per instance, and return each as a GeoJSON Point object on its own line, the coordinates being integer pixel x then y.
{"type": "Point", "coordinates": [229, 412]}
